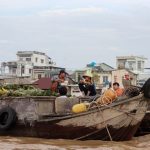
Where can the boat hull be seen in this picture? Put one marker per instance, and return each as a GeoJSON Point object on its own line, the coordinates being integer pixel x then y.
{"type": "Point", "coordinates": [44, 130]}
{"type": "Point", "coordinates": [118, 121]}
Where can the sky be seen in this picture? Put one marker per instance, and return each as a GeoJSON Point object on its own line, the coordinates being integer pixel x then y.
{"type": "Point", "coordinates": [75, 32]}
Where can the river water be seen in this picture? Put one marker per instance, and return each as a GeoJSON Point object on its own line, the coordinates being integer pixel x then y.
{"type": "Point", "coordinates": [21, 143]}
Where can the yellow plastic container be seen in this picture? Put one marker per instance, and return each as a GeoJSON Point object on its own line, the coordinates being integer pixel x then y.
{"type": "Point", "coordinates": [78, 108]}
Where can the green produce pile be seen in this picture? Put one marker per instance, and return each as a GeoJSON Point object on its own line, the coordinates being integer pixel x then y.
{"type": "Point", "coordinates": [24, 90]}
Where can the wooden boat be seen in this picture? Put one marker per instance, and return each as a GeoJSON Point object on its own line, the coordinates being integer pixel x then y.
{"type": "Point", "coordinates": [145, 125]}
{"type": "Point", "coordinates": [50, 117]}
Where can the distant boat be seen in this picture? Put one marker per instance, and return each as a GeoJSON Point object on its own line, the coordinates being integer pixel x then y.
{"type": "Point", "coordinates": [48, 117]}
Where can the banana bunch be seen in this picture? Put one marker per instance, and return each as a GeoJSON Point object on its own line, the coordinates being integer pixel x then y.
{"type": "Point", "coordinates": [3, 91]}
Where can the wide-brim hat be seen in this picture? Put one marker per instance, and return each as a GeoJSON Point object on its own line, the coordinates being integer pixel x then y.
{"type": "Point", "coordinates": [88, 74]}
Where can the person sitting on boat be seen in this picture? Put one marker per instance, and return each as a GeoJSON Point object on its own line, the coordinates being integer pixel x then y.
{"type": "Point", "coordinates": [59, 80]}
{"type": "Point", "coordinates": [119, 91]}
{"type": "Point", "coordinates": [86, 85]}
{"type": "Point", "coordinates": [62, 92]}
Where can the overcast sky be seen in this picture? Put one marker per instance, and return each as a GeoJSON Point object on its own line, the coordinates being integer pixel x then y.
{"type": "Point", "coordinates": [75, 32]}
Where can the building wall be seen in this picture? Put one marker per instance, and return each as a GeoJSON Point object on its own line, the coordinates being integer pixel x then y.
{"type": "Point", "coordinates": [104, 75]}
{"type": "Point", "coordinates": [38, 74]}
{"type": "Point", "coordinates": [29, 64]}
{"type": "Point", "coordinates": [79, 74]}
{"type": "Point", "coordinates": [133, 63]}
{"type": "Point", "coordinates": [9, 68]}
{"type": "Point", "coordinates": [24, 69]}
{"type": "Point", "coordinates": [118, 75]}
{"type": "Point", "coordinates": [41, 73]}
{"type": "Point", "coordinates": [28, 59]}
{"type": "Point", "coordinates": [12, 71]}
{"type": "Point", "coordinates": [35, 59]}
{"type": "Point", "coordinates": [40, 60]}
{"type": "Point", "coordinates": [98, 77]}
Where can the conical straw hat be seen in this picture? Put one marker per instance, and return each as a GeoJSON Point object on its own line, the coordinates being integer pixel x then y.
{"type": "Point", "coordinates": [88, 74]}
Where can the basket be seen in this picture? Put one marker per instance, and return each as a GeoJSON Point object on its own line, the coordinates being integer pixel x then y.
{"type": "Point", "coordinates": [108, 97]}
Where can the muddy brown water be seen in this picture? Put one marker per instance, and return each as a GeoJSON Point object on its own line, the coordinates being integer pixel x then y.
{"type": "Point", "coordinates": [21, 143]}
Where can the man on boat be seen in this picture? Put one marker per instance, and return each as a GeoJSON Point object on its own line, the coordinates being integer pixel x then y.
{"type": "Point", "coordinates": [86, 85]}
{"type": "Point", "coordinates": [62, 92]}
{"type": "Point", "coordinates": [59, 80]}
{"type": "Point", "coordinates": [126, 81]}
{"type": "Point", "coordinates": [119, 91]}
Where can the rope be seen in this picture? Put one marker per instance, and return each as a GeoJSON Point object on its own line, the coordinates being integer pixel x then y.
{"type": "Point", "coordinates": [103, 103]}
{"type": "Point", "coordinates": [82, 137]}
{"type": "Point", "coordinates": [106, 126]}
{"type": "Point", "coordinates": [129, 114]}
{"type": "Point", "coordinates": [110, 137]}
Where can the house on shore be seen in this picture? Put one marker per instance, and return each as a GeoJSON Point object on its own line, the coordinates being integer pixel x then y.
{"type": "Point", "coordinates": [31, 64]}
{"type": "Point", "coordinates": [118, 75]}
{"type": "Point", "coordinates": [102, 74]}
{"type": "Point", "coordinates": [132, 65]}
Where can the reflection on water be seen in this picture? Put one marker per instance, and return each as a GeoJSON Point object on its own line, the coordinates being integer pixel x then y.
{"type": "Point", "coordinates": [13, 143]}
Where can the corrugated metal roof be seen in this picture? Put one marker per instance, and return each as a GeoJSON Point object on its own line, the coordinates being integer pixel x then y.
{"type": "Point", "coordinates": [104, 67]}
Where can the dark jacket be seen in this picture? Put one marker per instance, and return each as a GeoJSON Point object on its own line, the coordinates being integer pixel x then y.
{"type": "Point", "coordinates": [87, 88]}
